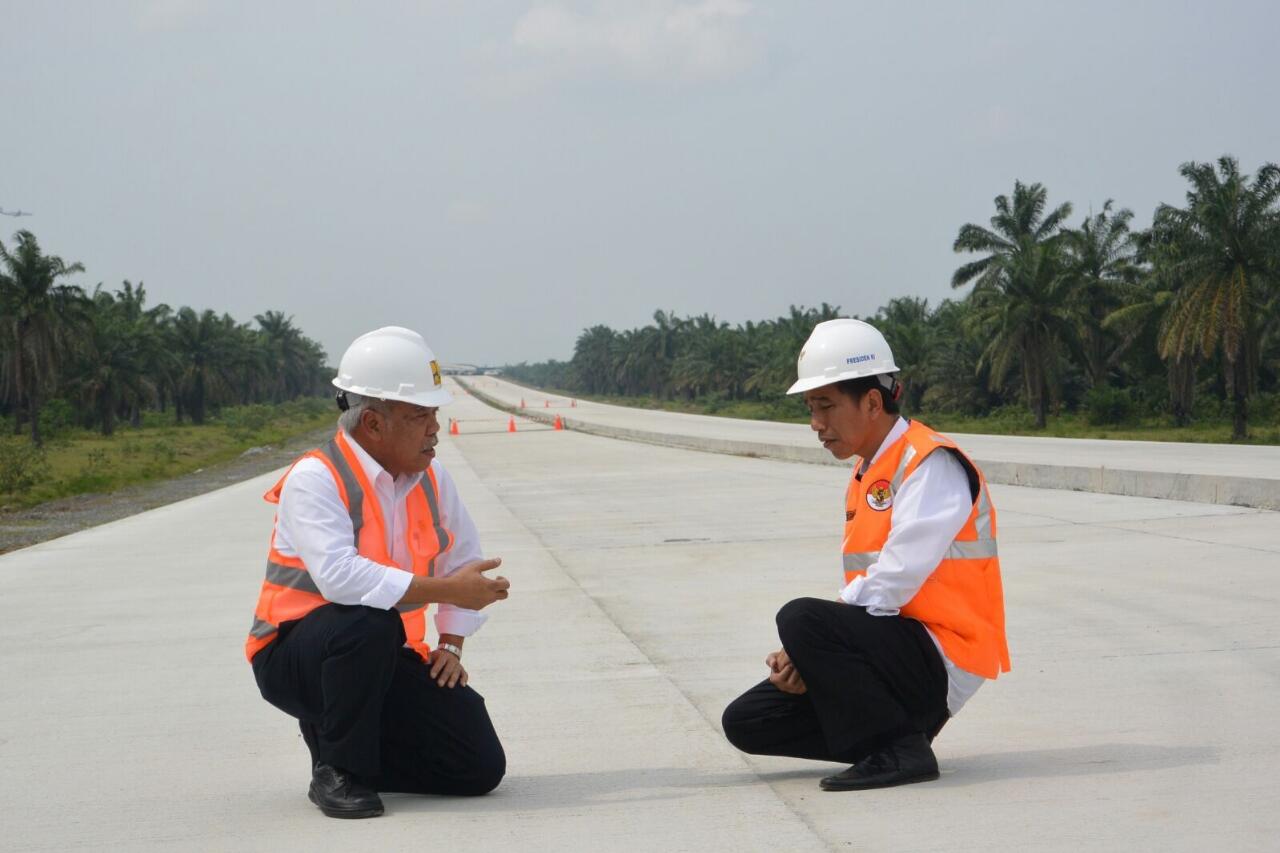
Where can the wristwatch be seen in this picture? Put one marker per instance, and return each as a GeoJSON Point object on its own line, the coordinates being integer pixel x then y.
{"type": "Point", "coordinates": [456, 651]}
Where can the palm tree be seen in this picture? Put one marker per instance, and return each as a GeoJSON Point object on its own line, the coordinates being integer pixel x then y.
{"type": "Point", "coordinates": [1229, 262]}
{"type": "Point", "coordinates": [287, 355]}
{"type": "Point", "coordinates": [955, 370]}
{"type": "Point", "coordinates": [207, 351]}
{"type": "Point", "coordinates": [1101, 256]}
{"type": "Point", "coordinates": [593, 360]}
{"type": "Point", "coordinates": [1018, 227]}
{"type": "Point", "coordinates": [904, 322]}
{"type": "Point", "coordinates": [642, 368]}
{"type": "Point", "coordinates": [115, 359]}
{"type": "Point", "coordinates": [147, 327]}
{"type": "Point", "coordinates": [698, 369]}
{"type": "Point", "coordinates": [1020, 290]}
{"type": "Point", "coordinates": [1145, 315]}
{"type": "Point", "coordinates": [39, 315]}
{"type": "Point", "coordinates": [773, 349]}
{"type": "Point", "coordinates": [1025, 312]}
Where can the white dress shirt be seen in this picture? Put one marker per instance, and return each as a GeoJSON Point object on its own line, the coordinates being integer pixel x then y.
{"type": "Point", "coordinates": [929, 509]}
{"type": "Point", "coordinates": [312, 523]}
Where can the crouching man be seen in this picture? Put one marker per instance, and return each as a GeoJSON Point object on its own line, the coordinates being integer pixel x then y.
{"type": "Point", "coordinates": [369, 531]}
{"type": "Point", "coordinates": [870, 679]}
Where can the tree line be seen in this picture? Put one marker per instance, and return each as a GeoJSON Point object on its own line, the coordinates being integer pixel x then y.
{"type": "Point", "coordinates": [103, 357]}
{"type": "Point", "coordinates": [1170, 319]}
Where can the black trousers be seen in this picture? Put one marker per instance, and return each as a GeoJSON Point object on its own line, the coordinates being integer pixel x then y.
{"type": "Point", "coordinates": [368, 705]}
{"type": "Point", "coordinates": [869, 679]}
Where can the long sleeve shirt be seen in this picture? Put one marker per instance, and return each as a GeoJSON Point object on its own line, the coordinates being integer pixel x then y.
{"type": "Point", "coordinates": [929, 509]}
{"type": "Point", "coordinates": [312, 523]}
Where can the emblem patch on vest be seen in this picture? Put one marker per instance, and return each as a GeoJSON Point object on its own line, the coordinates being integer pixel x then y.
{"type": "Point", "coordinates": [880, 495]}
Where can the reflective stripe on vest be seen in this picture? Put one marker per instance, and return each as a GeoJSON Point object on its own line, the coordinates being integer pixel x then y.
{"type": "Point", "coordinates": [289, 591]}
{"type": "Point", "coordinates": [261, 628]}
{"type": "Point", "coordinates": [442, 536]}
{"type": "Point", "coordinates": [355, 494]}
{"type": "Point", "coordinates": [961, 601]}
{"type": "Point", "coordinates": [290, 577]}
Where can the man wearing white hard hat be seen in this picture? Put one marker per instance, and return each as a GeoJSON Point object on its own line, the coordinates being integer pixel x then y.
{"type": "Point", "coordinates": [869, 679]}
{"type": "Point", "coordinates": [369, 532]}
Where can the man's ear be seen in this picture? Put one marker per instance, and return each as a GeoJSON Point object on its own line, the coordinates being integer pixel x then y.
{"type": "Point", "coordinates": [875, 402]}
{"type": "Point", "coordinates": [371, 421]}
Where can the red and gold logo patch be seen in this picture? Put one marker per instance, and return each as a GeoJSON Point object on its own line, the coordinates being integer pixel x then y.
{"type": "Point", "coordinates": [880, 495]}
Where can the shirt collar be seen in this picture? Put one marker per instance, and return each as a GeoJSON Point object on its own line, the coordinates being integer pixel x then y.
{"type": "Point", "coordinates": [373, 470]}
{"type": "Point", "coordinates": [896, 432]}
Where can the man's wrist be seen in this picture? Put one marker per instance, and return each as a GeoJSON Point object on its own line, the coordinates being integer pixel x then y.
{"type": "Point", "coordinates": [451, 643]}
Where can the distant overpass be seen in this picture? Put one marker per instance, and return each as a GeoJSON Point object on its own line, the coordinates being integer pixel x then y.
{"type": "Point", "coordinates": [458, 368]}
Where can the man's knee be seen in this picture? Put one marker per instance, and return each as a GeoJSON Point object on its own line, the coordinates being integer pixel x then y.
{"type": "Point", "coordinates": [490, 766]}
{"type": "Point", "coordinates": [734, 721]}
{"type": "Point", "coordinates": [796, 619]}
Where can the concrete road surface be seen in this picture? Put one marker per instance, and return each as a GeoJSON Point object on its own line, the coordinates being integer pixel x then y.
{"type": "Point", "coordinates": [1139, 714]}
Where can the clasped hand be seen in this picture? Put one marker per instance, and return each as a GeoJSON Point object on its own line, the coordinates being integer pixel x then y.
{"type": "Point", "coordinates": [782, 673]}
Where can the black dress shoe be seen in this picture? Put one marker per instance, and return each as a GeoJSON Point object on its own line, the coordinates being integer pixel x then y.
{"type": "Point", "coordinates": [338, 794]}
{"type": "Point", "coordinates": [906, 760]}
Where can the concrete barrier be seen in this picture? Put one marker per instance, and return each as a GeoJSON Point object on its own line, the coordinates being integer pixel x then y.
{"type": "Point", "coordinates": [1235, 490]}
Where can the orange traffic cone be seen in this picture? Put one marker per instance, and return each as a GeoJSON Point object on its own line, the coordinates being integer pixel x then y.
{"type": "Point", "coordinates": [511, 425]}
{"type": "Point", "coordinates": [522, 402]}
{"type": "Point", "coordinates": [546, 404]}
{"type": "Point", "coordinates": [559, 423]}
{"type": "Point", "coordinates": [573, 404]}
{"type": "Point", "coordinates": [453, 427]}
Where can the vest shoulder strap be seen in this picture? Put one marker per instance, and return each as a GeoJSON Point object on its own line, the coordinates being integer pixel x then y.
{"type": "Point", "coordinates": [272, 495]}
{"type": "Point", "coordinates": [349, 483]}
{"type": "Point", "coordinates": [924, 440]}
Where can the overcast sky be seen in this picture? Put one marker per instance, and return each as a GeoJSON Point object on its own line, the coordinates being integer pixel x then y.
{"type": "Point", "coordinates": [500, 175]}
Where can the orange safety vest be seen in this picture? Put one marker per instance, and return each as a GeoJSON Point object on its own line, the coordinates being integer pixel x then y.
{"type": "Point", "coordinates": [288, 592]}
{"type": "Point", "coordinates": [962, 602]}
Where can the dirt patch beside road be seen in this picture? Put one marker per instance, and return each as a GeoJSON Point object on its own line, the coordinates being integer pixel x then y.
{"type": "Point", "coordinates": [21, 528]}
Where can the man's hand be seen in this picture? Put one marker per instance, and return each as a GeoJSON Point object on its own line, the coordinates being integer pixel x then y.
{"type": "Point", "coordinates": [782, 673]}
{"type": "Point", "coordinates": [446, 669]}
{"type": "Point", "coordinates": [469, 588]}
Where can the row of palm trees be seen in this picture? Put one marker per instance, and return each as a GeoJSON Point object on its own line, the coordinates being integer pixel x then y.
{"type": "Point", "coordinates": [108, 357]}
{"type": "Point", "coordinates": [1054, 315]}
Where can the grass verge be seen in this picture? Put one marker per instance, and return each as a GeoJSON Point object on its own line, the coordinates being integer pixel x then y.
{"type": "Point", "coordinates": [76, 462]}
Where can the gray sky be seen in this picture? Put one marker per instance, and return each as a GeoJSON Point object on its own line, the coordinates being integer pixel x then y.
{"type": "Point", "coordinates": [499, 175]}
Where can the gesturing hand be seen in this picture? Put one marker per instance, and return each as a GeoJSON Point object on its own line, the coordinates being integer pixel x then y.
{"type": "Point", "coordinates": [782, 673]}
{"type": "Point", "coordinates": [472, 590]}
{"type": "Point", "coordinates": [446, 669]}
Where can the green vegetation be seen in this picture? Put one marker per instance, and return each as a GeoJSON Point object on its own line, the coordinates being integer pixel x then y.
{"type": "Point", "coordinates": [99, 390]}
{"type": "Point", "coordinates": [105, 357]}
{"type": "Point", "coordinates": [1169, 333]}
{"type": "Point", "coordinates": [77, 461]}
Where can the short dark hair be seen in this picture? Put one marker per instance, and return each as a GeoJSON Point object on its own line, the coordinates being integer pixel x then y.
{"type": "Point", "coordinates": [858, 388]}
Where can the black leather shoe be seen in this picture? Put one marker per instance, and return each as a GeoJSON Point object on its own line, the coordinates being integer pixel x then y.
{"type": "Point", "coordinates": [906, 760]}
{"type": "Point", "coordinates": [338, 794]}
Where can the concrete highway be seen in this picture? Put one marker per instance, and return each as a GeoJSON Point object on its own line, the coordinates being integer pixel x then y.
{"type": "Point", "coordinates": [1139, 713]}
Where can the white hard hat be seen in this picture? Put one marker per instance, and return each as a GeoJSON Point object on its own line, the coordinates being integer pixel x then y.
{"type": "Point", "coordinates": [392, 363]}
{"type": "Point", "coordinates": [841, 349]}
